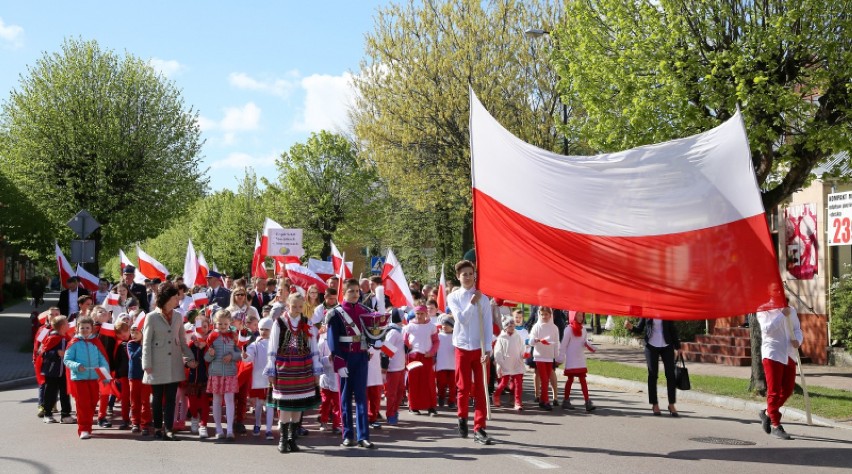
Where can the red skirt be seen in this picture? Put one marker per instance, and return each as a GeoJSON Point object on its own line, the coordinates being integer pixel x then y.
{"type": "Point", "coordinates": [422, 390]}
{"type": "Point", "coordinates": [257, 393]}
{"type": "Point", "coordinates": [576, 372]}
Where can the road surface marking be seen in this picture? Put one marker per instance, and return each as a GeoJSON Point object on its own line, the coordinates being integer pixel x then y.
{"type": "Point", "coordinates": [535, 462]}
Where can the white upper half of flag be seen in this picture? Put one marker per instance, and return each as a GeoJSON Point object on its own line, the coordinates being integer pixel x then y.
{"type": "Point", "coordinates": [270, 224]}
{"type": "Point", "coordinates": [139, 277]}
{"type": "Point", "coordinates": [657, 189]}
{"type": "Point", "coordinates": [190, 264]}
{"type": "Point", "coordinates": [144, 257]}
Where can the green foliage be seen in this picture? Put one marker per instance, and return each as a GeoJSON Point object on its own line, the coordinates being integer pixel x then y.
{"type": "Point", "coordinates": [326, 190]}
{"type": "Point", "coordinates": [21, 222]}
{"type": "Point", "coordinates": [87, 128]}
{"type": "Point", "coordinates": [649, 71]}
{"type": "Point", "coordinates": [413, 101]}
{"type": "Point", "coordinates": [841, 310]}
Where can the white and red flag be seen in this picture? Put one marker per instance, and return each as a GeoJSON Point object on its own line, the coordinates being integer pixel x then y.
{"type": "Point", "coordinates": [258, 269]}
{"type": "Point", "coordinates": [341, 280]}
{"type": "Point", "coordinates": [190, 265]}
{"type": "Point", "coordinates": [139, 323]}
{"type": "Point", "coordinates": [107, 329]}
{"type": "Point", "coordinates": [149, 266]}
{"type": "Point", "coordinates": [200, 299]}
{"type": "Point", "coordinates": [337, 260]}
{"type": "Point", "coordinates": [324, 269]}
{"type": "Point", "coordinates": [264, 237]}
{"type": "Point", "coordinates": [87, 280]}
{"type": "Point", "coordinates": [388, 349]}
{"type": "Point", "coordinates": [203, 269]}
{"type": "Point", "coordinates": [396, 286]}
{"type": "Point", "coordinates": [442, 292]}
{"type": "Point", "coordinates": [124, 261]}
{"type": "Point", "coordinates": [65, 270]}
{"type": "Point", "coordinates": [112, 298]}
{"type": "Point", "coordinates": [674, 230]}
{"type": "Point", "coordinates": [302, 276]}
{"type": "Point", "coordinates": [103, 374]}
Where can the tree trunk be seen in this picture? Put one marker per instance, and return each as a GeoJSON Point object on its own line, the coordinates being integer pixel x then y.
{"type": "Point", "coordinates": [757, 383]}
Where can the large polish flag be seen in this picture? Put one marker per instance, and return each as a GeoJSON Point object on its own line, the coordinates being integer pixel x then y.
{"type": "Point", "coordinates": [87, 280]}
{"type": "Point", "coordinates": [65, 269]}
{"type": "Point", "coordinates": [302, 276]}
{"type": "Point", "coordinates": [150, 266]}
{"type": "Point", "coordinates": [203, 269]}
{"type": "Point", "coordinates": [337, 259]}
{"type": "Point", "coordinates": [396, 286]}
{"type": "Point", "coordinates": [138, 277]}
{"type": "Point", "coordinates": [264, 237]}
{"type": "Point", "coordinates": [190, 265]}
{"type": "Point", "coordinates": [674, 230]}
{"type": "Point", "coordinates": [258, 269]}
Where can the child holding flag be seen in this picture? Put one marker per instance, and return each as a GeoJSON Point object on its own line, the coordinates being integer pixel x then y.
{"type": "Point", "coordinates": [222, 355]}
{"type": "Point", "coordinates": [544, 338]}
{"type": "Point", "coordinates": [196, 380]}
{"type": "Point", "coordinates": [421, 336]}
{"type": "Point", "coordinates": [571, 351]}
{"type": "Point", "coordinates": [393, 364]}
{"type": "Point", "coordinates": [140, 393]}
{"type": "Point", "coordinates": [85, 359]}
{"type": "Point", "coordinates": [329, 388]}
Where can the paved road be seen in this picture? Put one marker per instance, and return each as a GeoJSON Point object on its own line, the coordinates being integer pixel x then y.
{"type": "Point", "coordinates": [620, 436]}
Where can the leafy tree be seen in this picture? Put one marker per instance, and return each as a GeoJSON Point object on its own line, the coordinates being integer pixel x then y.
{"type": "Point", "coordinates": [326, 190]}
{"type": "Point", "coordinates": [21, 222]}
{"type": "Point", "coordinates": [412, 108]}
{"type": "Point", "coordinates": [87, 128]}
{"type": "Point", "coordinates": [649, 71]}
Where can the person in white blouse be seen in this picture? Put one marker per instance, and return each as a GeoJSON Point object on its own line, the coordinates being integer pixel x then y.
{"type": "Point", "coordinates": [782, 336]}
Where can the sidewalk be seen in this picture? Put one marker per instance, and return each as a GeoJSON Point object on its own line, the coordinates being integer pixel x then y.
{"type": "Point", "coordinates": [17, 367]}
{"type": "Point", "coordinates": [818, 375]}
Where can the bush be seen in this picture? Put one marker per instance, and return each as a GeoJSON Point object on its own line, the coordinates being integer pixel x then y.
{"type": "Point", "coordinates": [841, 310]}
{"type": "Point", "coordinates": [686, 330]}
{"type": "Point", "coordinates": [15, 289]}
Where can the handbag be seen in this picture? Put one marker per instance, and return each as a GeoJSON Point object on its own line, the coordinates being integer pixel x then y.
{"type": "Point", "coordinates": [682, 374]}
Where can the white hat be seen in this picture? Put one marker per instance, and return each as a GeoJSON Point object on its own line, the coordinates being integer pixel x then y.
{"type": "Point", "coordinates": [265, 323]}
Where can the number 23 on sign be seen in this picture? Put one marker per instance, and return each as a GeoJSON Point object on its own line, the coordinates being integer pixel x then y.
{"type": "Point", "coordinates": [842, 231]}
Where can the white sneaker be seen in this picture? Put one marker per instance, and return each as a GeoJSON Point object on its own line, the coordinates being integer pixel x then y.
{"type": "Point", "coordinates": [322, 427]}
{"type": "Point", "coordinates": [85, 435]}
{"type": "Point", "coordinates": [49, 419]}
{"type": "Point", "coordinates": [202, 432]}
{"type": "Point", "coordinates": [220, 435]}
{"type": "Point", "coordinates": [193, 426]}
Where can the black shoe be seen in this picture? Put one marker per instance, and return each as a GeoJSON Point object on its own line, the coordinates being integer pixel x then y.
{"type": "Point", "coordinates": [545, 406]}
{"type": "Point", "coordinates": [433, 412]}
{"type": "Point", "coordinates": [282, 438]}
{"type": "Point", "coordinates": [170, 436]}
{"type": "Point", "coordinates": [480, 437]}
{"type": "Point", "coordinates": [591, 407]}
{"type": "Point", "coordinates": [124, 426]}
{"type": "Point", "coordinates": [300, 431]}
{"type": "Point", "coordinates": [158, 434]}
{"type": "Point", "coordinates": [292, 428]}
{"type": "Point", "coordinates": [104, 423]}
{"type": "Point", "coordinates": [415, 412]}
{"type": "Point", "coordinates": [347, 443]}
{"type": "Point", "coordinates": [451, 406]}
{"type": "Point", "coordinates": [239, 428]}
{"type": "Point", "coordinates": [778, 432]}
{"type": "Point", "coordinates": [566, 405]}
{"type": "Point", "coordinates": [764, 421]}
{"type": "Point", "coordinates": [376, 425]}
{"type": "Point", "coordinates": [440, 402]}
{"type": "Point", "coordinates": [463, 427]}
{"type": "Point", "coordinates": [365, 443]}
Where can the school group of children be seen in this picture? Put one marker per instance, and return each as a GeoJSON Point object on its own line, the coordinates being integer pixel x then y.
{"type": "Point", "coordinates": [281, 361]}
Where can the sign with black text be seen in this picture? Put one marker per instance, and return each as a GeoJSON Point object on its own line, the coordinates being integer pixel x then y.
{"type": "Point", "coordinates": [285, 243]}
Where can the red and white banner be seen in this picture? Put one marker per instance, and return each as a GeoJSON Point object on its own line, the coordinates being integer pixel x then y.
{"type": "Point", "coordinates": [801, 237]}
{"type": "Point", "coordinates": [203, 269]}
{"type": "Point", "coordinates": [107, 329]}
{"type": "Point", "coordinates": [139, 277]}
{"type": "Point", "coordinates": [190, 265]}
{"type": "Point", "coordinates": [87, 280]}
{"type": "Point", "coordinates": [442, 292]}
{"type": "Point", "coordinates": [396, 286]}
{"type": "Point", "coordinates": [149, 266]}
{"type": "Point", "coordinates": [302, 276]}
{"type": "Point", "coordinates": [337, 260]}
{"type": "Point", "coordinates": [674, 230]}
{"type": "Point", "coordinates": [258, 269]}
{"type": "Point", "coordinates": [65, 270]}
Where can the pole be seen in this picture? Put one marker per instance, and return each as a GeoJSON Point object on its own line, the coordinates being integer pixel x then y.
{"type": "Point", "coordinates": [484, 363]}
{"type": "Point", "coordinates": [801, 374]}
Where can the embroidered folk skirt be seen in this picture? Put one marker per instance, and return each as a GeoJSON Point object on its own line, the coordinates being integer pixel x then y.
{"type": "Point", "coordinates": [295, 387]}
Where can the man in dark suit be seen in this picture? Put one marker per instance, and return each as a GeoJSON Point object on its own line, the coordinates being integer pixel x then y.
{"type": "Point", "coordinates": [217, 294]}
{"type": "Point", "coordinates": [137, 290]}
{"type": "Point", "coordinates": [259, 298]}
{"type": "Point", "coordinates": [68, 297]}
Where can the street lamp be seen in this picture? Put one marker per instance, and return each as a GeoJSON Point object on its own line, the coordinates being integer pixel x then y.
{"type": "Point", "coordinates": [538, 33]}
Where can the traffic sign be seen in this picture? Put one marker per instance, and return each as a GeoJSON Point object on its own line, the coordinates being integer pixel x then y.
{"type": "Point", "coordinates": [376, 265]}
{"type": "Point", "coordinates": [83, 224]}
{"type": "Point", "coordinates": [83, 251]}
{"type": "Point", "coordinates": [840, 219]}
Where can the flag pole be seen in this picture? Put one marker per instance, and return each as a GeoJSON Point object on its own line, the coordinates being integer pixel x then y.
{"type": "Point", "coordinates": [801, 374]}
{"type": "Point", "coordinates": [484, 363]}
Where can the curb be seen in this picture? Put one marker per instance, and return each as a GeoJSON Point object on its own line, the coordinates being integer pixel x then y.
{"type": "Point", "coordinates": [17, 383]}
{"type": "Point", "coordinates": [716, 400]}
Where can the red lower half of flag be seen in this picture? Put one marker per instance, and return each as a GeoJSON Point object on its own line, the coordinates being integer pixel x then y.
{"type": "Point", "coordinates": [714, 272]}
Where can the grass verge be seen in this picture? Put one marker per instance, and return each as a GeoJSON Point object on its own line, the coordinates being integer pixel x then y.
{"type": "Point", "coordinates": [826, 402]}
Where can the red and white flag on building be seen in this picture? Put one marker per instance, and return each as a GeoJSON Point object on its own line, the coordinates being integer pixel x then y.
{"type": "Point", "coordinates": [190, 265]}
{"type": "Point", "coordinates": [139, 277]}
{"type": "Point", "coordinates": [337, 260]}
{"type": "Point", "coordinates": [65, 270]}
{"type": "Point", "coordinates": [87, 280]}
{"type": "Point", "coordinates": [150, 266]}
{"type": "Point", "coordinates": [258, 269]}
{"type": "Point", "coordinates": [673, 230]}
{"type": "Point", "coordinates": [203, 270]}
{"type": "Point", "coordinates": [396, 286]}
{"type": "Point", "coordinates": [200, 299]}
{"type": "Point", "coordinates": [442, 292]}
{"type": "Point", "coordinates": [112, 299]}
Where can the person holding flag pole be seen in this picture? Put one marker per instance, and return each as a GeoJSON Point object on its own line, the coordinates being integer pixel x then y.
{"type": "Point", "coordinates": [473, 346]}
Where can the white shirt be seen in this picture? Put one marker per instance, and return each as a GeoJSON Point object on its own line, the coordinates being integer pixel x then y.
{"type": "Point", "coordinates": [446, 357]}
{"type": "Point", "coordinates": [509, 354]}
{"type": "Point", "coordinates": [73, 307]}
{"type": "Point", "coordinates": [470, 320]}
{"type": "Point", "coordinates": [397, 362]}
{"type": "Point", "coordinates": [776, 335]}
{"type": "Point", "coordinates": [328, 379]}
{"type": "Point", "coordinates": [257, 352]}
{"type": "Point", "coordinates": [374, 368]}
{"type": "Point", "coordinates": [100, 296]}
{"type": "Point", "coordinates": [419, 336]}
{"type": "Point", "coordinates": [657, 339]}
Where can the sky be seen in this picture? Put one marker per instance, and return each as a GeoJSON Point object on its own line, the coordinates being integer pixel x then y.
{"type": "Point", "coordinates": [262, 77]}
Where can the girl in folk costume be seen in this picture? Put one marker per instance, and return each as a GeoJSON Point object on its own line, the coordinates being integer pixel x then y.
{"type": "Point", "coordinates": [329, 386]}
{"type": "Point", "coordinates": [256, 354]}
{"type": "Point", "coordinates": [445, 363]}
{"type": "Point", "coordinates": [293, 369]}
{"type": "Point", "coordinates": [571, 351]}
{"type": "Point", "coordinates": [544, 338]}
{"type": "Point", "coordinates": [222, 355]}
{"type": "Point", "coordinates": [509, 358]}
{"type": "Point", "coordinates": [421, 336]}
{"type": "Point", "coordinates": [241, 313]}
{"type": "Point", "coordinates": [196, 380]}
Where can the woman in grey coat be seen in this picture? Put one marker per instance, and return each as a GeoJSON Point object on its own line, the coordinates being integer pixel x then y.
{"type": "Point", "coordinates": [164, 356]}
